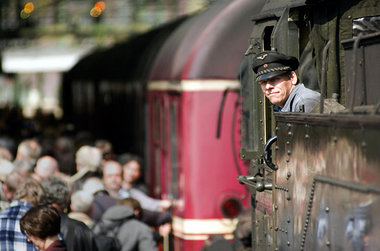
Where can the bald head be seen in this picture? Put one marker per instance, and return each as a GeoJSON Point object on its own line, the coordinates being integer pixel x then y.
{"type": "Point", "coordinates": [112, 177]}
{"type": "Point", "coordinates": [46, 166]}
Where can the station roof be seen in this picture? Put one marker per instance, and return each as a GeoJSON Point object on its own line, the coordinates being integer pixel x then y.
{"type": "Point", "coordinates": [41, 59]}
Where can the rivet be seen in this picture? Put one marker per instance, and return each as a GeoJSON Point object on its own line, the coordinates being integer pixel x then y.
{"type": "Point", "coordinates": [276, 207]}
{"type": "Point", "coordinates": [364, 144]}
{"type": "Point", "coordinates": [287, 142]}
{"type": "Point", "coordinates": [328, 243]}
{"type": "Point", "coordinates": [288, 220]}
{"type": "Point", "coordinates": [327, 209]}
{"type": "Point", "coordinates": [335, 139]}
{"type": "Point", "coordinates": [289, 133]}
{"type": "Point", "coordinates": [288, 243]}
{"type": "Point", "coordinates": [276, 148]}
{"type": "Point", "coordinates": [277, 128]}
{"type": "Point", "coordinates": [261, 102]}
{"type": "Point", "coordinates": [288, 197]}
{"type": "Point", "coordinates": [276, 229]}
{"type": "Point", "coordinates": [307, 136]}
{"type": "Point", "coordinates": [289, 152]}
{"type": "Point", "coordinates": [287, 160]}
{"type": "Point", "coordinates": [289, 125]}
{"type": "Point", "coordinates": [288, 174]}
{"type": "Point", "coordinates": [349, 17]}
{"type": "Point", "coordinates": [243, 156]}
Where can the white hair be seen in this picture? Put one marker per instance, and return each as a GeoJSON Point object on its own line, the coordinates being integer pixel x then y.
{"type": "Point", "coordinates": [81, 201]}
{"type": "Point", "coordinates": [88, 157]}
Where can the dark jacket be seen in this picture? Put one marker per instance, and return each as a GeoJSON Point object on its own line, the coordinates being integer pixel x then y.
{"type": "Point", "coordinates": [131, 234]}
{"type": "Point", "coordinates": [77, 235]}
{"type": "Point", "coordinates": [102, 201]}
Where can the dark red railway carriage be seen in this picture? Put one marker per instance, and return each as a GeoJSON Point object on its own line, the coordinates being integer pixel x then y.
{"type": "Point", "coordinates": [190, 160]}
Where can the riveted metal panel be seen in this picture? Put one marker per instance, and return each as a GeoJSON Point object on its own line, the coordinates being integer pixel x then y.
{"type": "Point", "coordinates": [330, 172]}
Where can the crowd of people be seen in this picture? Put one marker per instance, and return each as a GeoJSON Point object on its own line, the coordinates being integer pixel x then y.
{"type": "Point", "coordinates": [103, 205]}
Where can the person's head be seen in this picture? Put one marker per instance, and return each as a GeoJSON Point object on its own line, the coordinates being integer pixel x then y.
{"type": "Point", "coordinates": [93, 185]}
{"type": "Point", "coordinates": [31, 191]}
{"type": "Point", "coordinates": [131, 168]}
{"type": "Point", "coordinates": [275, 73]}
{"type": "Point", "coordinates": [5, 153]}
{"type": "Point", "coordinates": [57, 192]}
{"type": "Point", "coordinates": [12, 182]}
{"type": "Point", "coordinates": [29, 149]}
{"type": "Point", "coordinates": [81, 201]}
{"type": "Point", "coordinates": [133, 204]}
{"type": "Point", "coordinates": [46, 166]}
{"type": "Point", "coordinates": [6, 167]}
{"type": "Point", "coordinates": [39, 223]}
{"type": "Point", "coordinates": [88, 157]}
{"type": "Point", "coordinates": [112, 176]}
{"type": "Point", "coordinates": [105, 147]}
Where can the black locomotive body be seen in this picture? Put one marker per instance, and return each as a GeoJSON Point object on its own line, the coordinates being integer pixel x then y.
{"type": "Point", "coordinates": [315, 177]}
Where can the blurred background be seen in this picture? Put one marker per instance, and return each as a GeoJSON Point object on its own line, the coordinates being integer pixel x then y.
{"type": "Point", "coordinates": [41, 39]}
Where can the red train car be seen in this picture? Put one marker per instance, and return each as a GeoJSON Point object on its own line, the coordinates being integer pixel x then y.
{"type": "Point", "coordinates": [190, 160]}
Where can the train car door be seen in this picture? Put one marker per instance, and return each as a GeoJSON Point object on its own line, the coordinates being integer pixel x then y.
{"type": "Point", "coordinates": [271, 31]}
{"type": "Point", "coordinates": [164, 138]}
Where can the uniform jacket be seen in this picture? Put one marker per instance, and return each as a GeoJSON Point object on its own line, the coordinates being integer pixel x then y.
{"type": "Point", "coordinates": [301, 99]}
{"type": "Point", "coordinates": [132, 234]}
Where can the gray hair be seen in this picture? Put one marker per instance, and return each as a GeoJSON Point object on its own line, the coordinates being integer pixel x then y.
{"type": "Point", "coordinates": [31, 191]}
{"type": "Point", "coordinates": [57, 192]}
{"type": "Point", "coordinates": [81, 201]}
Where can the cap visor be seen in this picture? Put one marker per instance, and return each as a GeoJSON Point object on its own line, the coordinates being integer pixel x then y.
{"type": "Point", "coordinates": [270, 75]}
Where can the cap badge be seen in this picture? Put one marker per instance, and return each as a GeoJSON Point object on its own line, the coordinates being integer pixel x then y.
{"type": "Point", "coordinates": [262, 57]}
{"type": "Point", "coordinates": [265, 65]}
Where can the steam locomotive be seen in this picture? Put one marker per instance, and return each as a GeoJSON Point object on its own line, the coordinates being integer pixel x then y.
{"type": "Point", "coordinates": [314, 177]}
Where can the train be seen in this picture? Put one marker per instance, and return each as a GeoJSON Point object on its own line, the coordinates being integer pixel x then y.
{"type": "Point", "coordinates": [314, 177]}
{"type": "Point", "coordinates": [172, 95]}
{"type": "Point", "coordinates": [184, 96]}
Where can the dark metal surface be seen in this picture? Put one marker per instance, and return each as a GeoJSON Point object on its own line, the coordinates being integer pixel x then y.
{"type": "Point", "coordinates": [362, 65]}
{"type": "Point", "coordinates": [332, 173]}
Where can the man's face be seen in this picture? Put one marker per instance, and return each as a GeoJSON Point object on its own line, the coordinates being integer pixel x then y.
{"type": "Point", "coordinates": [112, 176]}
{"type": "Point", "coordinates": [278, 89]}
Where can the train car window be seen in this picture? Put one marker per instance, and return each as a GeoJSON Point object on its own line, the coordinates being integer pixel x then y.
{"type": "Point", "coordinates": [267, 36]}
{"type": "Point", "coordinates": [156, 121]}
{"type": "Point", "coordinates": [365, 25]}
{"type": "Point", "coordinates": [174, 150]}
{"type": "Point", "coordinates": [156, 144]}
{"type": "Point", "coordinates": [84, 97]}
